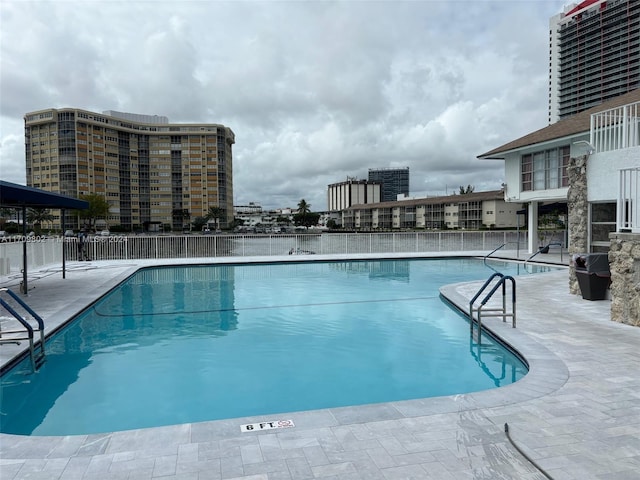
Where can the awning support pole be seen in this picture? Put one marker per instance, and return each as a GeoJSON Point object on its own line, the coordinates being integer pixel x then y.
{"type": "Point", "coordinates": [64, 271]}
{"type": "Point", "coordinates": [24, 288]}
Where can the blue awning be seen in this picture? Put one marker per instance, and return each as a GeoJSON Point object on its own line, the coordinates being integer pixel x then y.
{"type": "Point", "coordinates": [18, 196]}
{"type": "Point", "coordinates": [14, 195]}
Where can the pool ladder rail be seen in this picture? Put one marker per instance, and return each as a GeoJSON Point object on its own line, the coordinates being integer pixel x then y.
{"type": "Point", "coordinates": [27, 332]}
{"type": "Point", "coordinates": [481, 311]}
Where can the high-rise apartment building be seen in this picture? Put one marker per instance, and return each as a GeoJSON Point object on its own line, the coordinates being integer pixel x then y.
{"type": "Point", "coordinates": [394, 181]}
{"type": "Point", "coordinates": [594, 55]}
{"type": "Point", "coordinates": [151, 172]}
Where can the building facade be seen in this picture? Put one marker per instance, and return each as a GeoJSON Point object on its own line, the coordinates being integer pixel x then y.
{"type": "Point", "coordinates": [470, 211]}
{"type": "Point", "coordinates": [393, 181]}
{"type": "Point", "coordinates": [352, 192]}
{"type": "Point", "coordinates": [151, 172]}
{"type": "Point", "coordinates": [594, 55]}
{"type": "Point", "coordinates": [538, 167]}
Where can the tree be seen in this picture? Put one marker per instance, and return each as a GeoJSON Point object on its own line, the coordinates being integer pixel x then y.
{"type": "Point", "coordinates": [198, 223]}
{"type": "Point", "coordinates": [308, 220]}
{"type": "Point", "coordinates": [181, 216]}
{"type": "Point", "coordinates": [214, 214]}
{"type": "Point", "coordinates": [98, 208]}
{"type": "Point", "coordinates": [5, 213]}
{"type": "Point", "coordinates": [301, 217]}
{"type": "Point", "coordinates": [186, 216]}
{"type": "Point", "coordinates": [304, 216]}
{"type": "Point", "coordinates": [283, 220]}
{"type": "Point", "coordinates": [331, 224]}
{"type": "Point", "coordinates": [304, 207]}
{"type": "Point", "coordinates": [37, 216]}
{"type": "Point", "coordinates": [466, 191]}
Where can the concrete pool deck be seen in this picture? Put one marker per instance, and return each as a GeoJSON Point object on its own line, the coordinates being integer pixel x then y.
{"type": "Point", "coordinates": [576, 414]}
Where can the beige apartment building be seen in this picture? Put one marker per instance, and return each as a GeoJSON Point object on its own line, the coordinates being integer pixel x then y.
{"type": "Point", "coordinates": [152, 173]}
{"type": "Point", "coordinates": [469, 211]}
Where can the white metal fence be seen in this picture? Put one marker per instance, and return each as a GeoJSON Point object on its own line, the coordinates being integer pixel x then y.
{"type": "Point", "coordinates": [47, 251]}
{"type": "Point", "coordinates": [616, 128]}
{"type": "Point", "coordinates": [629, 201]}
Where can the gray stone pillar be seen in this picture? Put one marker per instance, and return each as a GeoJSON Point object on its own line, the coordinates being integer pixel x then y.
{"type": "Point", "coordinates": [624, 258]}
{"type": "Point", "coordinates": [578, 207]}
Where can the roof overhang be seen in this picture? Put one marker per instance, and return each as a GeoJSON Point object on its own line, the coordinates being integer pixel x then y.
{"type": "Point", "coordinates": [531, 147]}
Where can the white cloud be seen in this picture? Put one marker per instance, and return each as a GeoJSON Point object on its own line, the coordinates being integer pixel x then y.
{"type": "Point", "coordinates": [314, 91]}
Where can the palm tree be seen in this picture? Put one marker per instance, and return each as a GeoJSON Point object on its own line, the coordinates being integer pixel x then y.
{"type": "Point", "coordinates": [304, 209]}
{"type": "Point", "coordinates": [37, 216]}
{"type": "Point", "coordinates": [214, 214]}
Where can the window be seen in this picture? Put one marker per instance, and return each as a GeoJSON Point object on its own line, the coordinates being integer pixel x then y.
{"type": "Point", "coordinates": [603, 222]}
{"type": "Point", "coordinates": [545, 170]}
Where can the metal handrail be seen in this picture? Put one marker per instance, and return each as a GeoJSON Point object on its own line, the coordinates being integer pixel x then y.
{"type": "Point", "coordinates": [502, 246]}
{"type": "Point", "coordinates": [28, 329]}
{"type": "Point", "coordinates": [486, 284]}
{"type": "Point", "coordinates": [502, 311]}
{"type": "Point", "coordinates": [546, 246]}
{"type": "Point", "coordinates": [494, 250]}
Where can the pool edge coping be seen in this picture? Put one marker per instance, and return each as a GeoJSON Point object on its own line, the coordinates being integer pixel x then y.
{"type": "Point", "coordinates": [547, 373]}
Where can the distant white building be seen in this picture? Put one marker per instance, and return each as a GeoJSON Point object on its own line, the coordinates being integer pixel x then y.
{"type": "Point", "coordinates": [352, 192]}
{"type": "Point", "coordinates": [256, 220]}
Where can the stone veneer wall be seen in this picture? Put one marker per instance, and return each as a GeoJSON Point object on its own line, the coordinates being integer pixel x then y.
{"type": "Point", "coordinates": [578, 207]}
{"type": "Point", "coordinates": [624, 252]}
{"type": "Point", "coordinates": [624, 257]}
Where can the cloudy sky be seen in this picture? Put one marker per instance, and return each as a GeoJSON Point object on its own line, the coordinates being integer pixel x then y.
{"type": "Point", "coordinates": [314, 91]}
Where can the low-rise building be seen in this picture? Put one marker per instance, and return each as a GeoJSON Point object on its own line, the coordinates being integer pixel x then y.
{"type": "Point", "coordinates": [468, 211]}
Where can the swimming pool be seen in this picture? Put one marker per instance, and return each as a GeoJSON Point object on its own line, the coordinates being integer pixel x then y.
{"type": "Point", "coordinates": [185, 344]}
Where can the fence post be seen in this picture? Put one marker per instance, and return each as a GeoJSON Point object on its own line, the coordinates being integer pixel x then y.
{"type": "Point", "coordinates": [624, 127]}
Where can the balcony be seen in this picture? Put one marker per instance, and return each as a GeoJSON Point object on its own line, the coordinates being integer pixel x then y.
{"type": "Point", "coordinates": [616, 128]}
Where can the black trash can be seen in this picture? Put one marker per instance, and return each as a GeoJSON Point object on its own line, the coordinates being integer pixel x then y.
{"type": "Point", "coordinates": [594, 275]}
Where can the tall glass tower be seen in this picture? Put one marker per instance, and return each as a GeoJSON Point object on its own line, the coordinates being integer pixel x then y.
{"type": "Point", "coordinates": [394, 181]}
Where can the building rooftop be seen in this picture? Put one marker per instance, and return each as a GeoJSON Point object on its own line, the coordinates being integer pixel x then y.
{"type": "Point", "coordinates": [579, 123]}
{"type": "Point", "coordinates": [467, 197]}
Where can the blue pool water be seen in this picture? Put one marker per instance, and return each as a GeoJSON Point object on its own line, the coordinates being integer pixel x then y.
{"type": "Point", "coordinates": [186, 344]}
